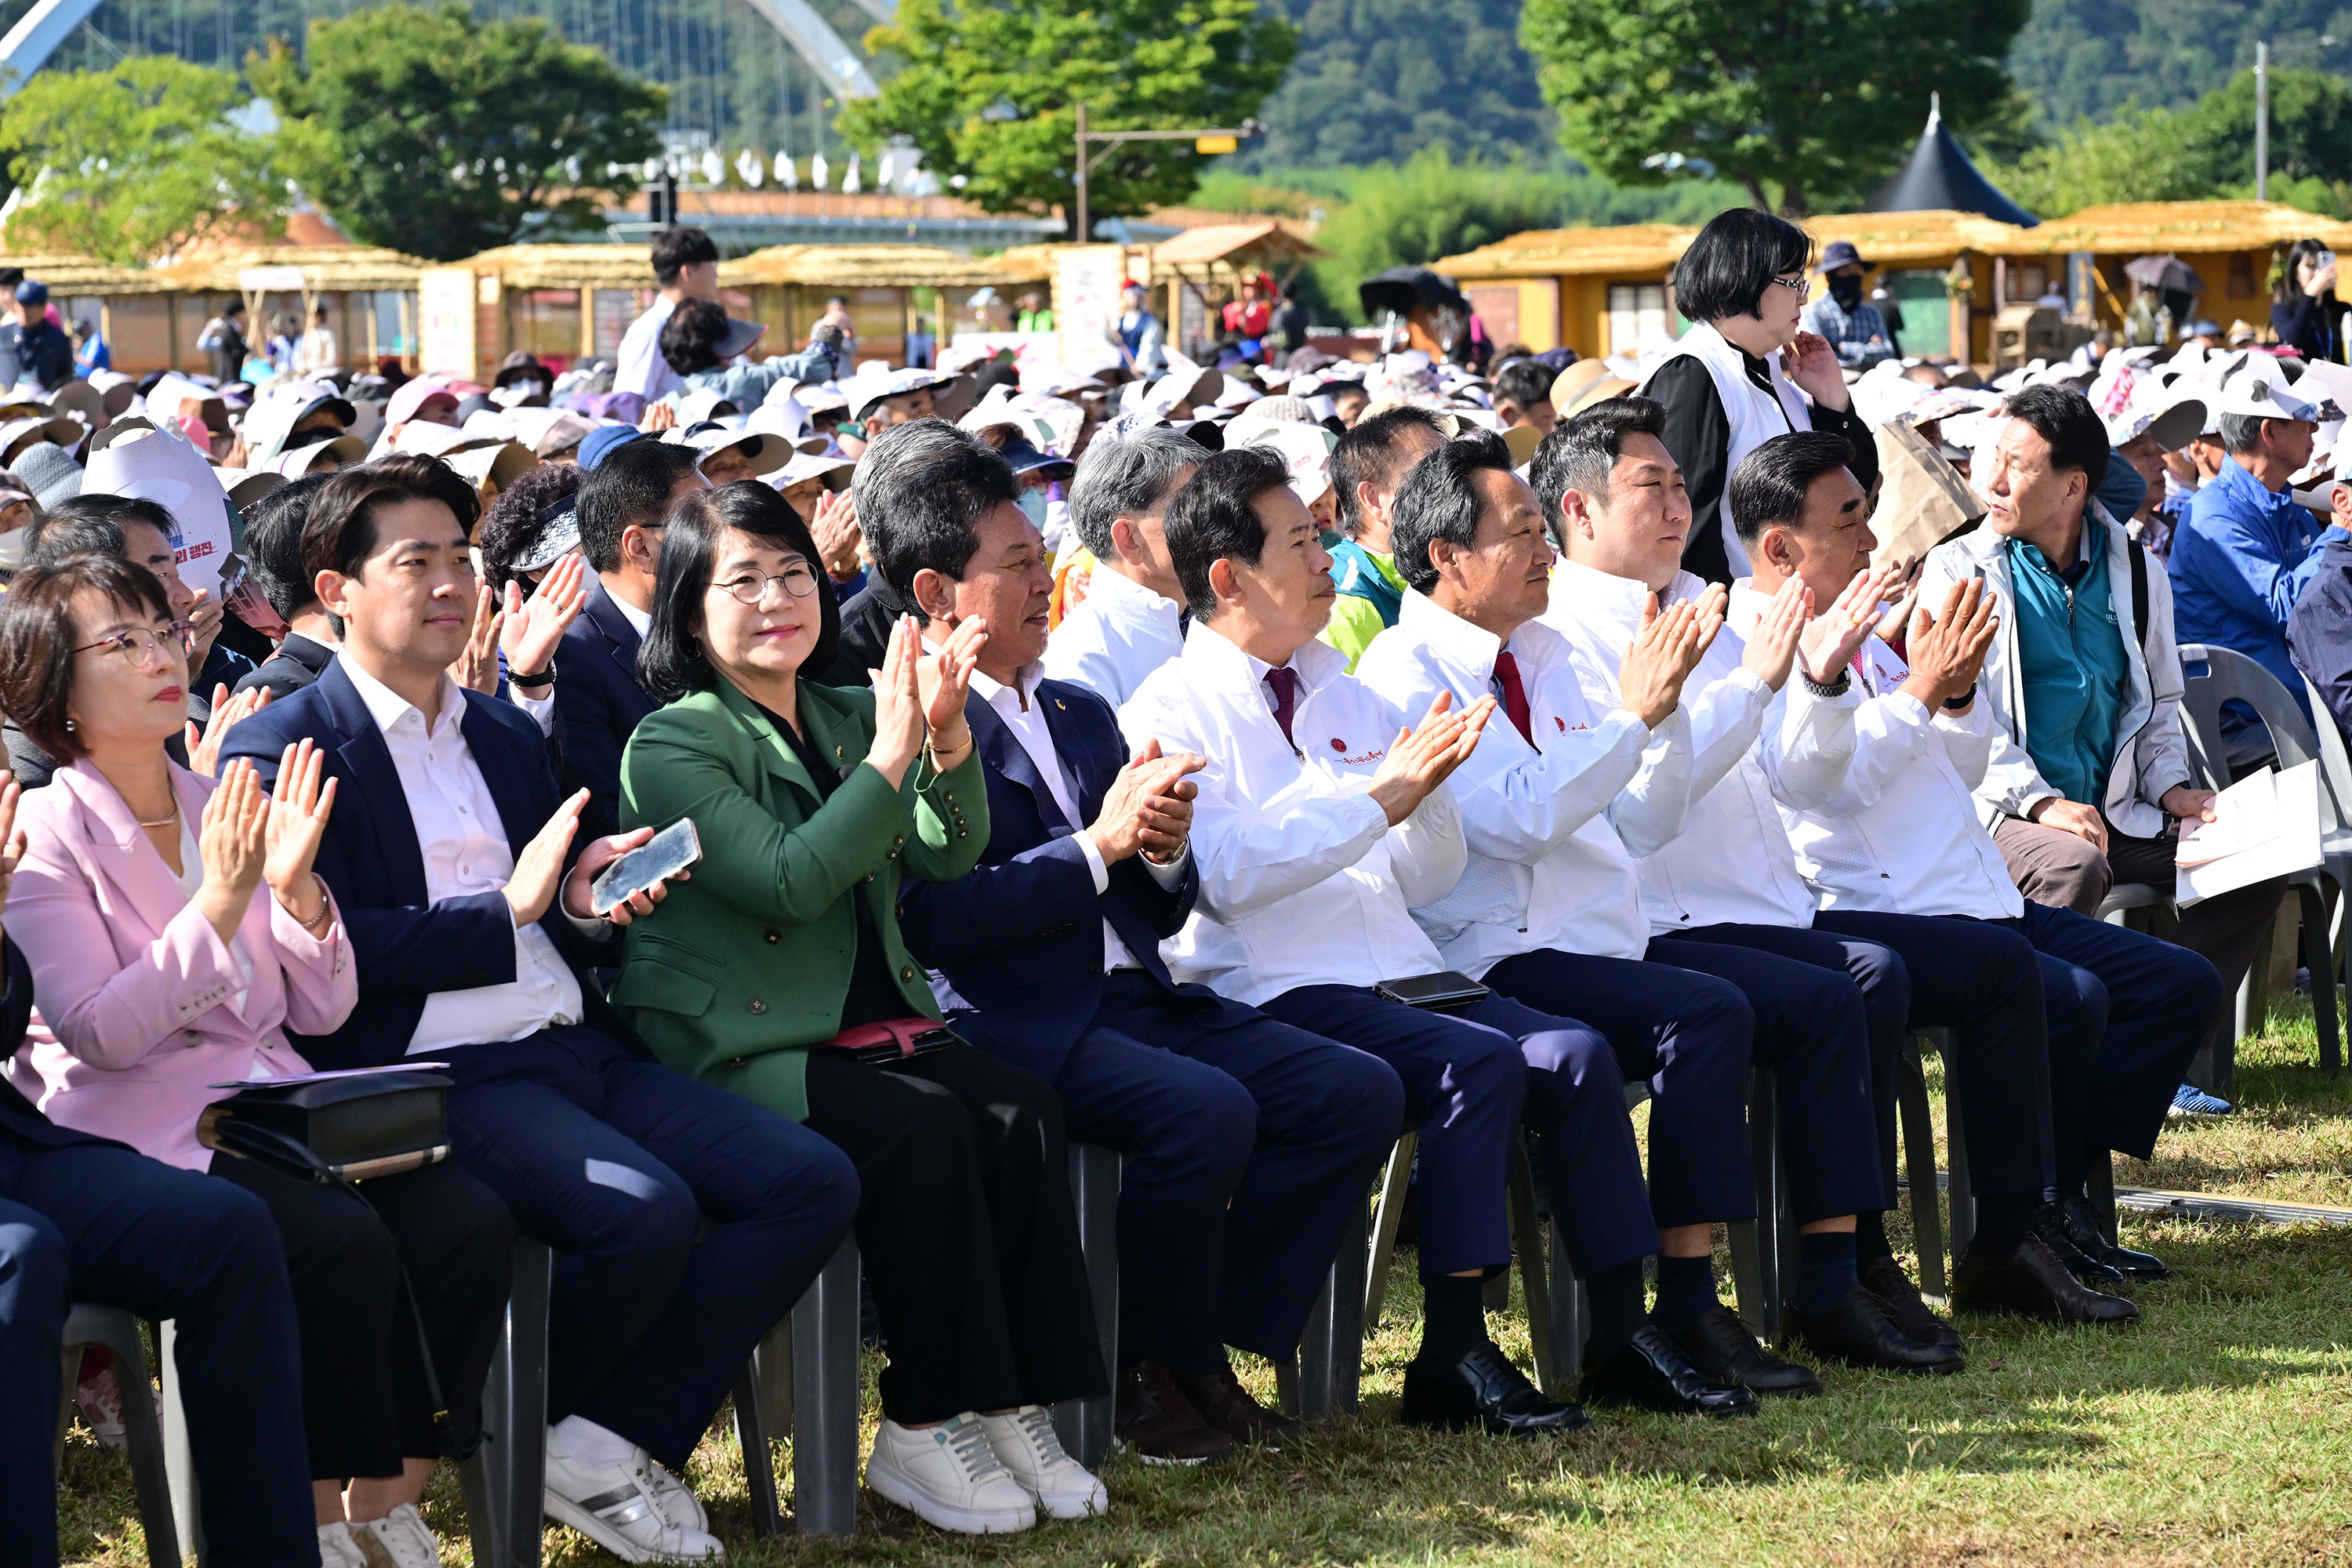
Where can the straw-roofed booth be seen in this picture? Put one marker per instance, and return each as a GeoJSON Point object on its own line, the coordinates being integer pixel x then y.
{"type": "Point", "coordinates": [1601, 290]}
{"type": "Point", "coordinates": [1196, 272]}
{"type": "Point", "coordinates": [890, 290]}
{"type": "Point", "coordinates": [559, 302]}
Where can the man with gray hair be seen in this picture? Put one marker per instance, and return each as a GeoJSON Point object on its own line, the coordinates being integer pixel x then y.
{"type": "Point", "coordinates": [1130, 622]}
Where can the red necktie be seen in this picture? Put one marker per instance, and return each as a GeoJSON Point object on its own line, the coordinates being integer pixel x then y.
{"type": "Point", "coordinates": [1284, 684]}
{"type": "Point", "coordinates": [1515, 694]}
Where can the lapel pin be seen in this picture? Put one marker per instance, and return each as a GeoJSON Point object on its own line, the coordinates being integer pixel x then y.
{"type": "Point", "coordinates": [1062, 705]}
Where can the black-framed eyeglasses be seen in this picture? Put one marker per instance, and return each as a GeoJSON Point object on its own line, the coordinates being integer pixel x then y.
{"type": "Point", "coordinates": [1799, 285]}
{"type": "Point", "coordinates": [138, 643]}
{"type": "Point", "coordinates": [750, 588]}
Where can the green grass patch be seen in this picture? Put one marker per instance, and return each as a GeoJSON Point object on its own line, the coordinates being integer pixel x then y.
{"type": "Point", "coordinates": [2216, 1431]}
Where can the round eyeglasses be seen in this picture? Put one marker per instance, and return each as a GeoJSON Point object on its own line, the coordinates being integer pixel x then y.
{"type": "Point", "coordinates": [750, 588]}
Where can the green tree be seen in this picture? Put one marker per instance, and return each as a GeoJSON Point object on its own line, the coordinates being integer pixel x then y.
{"type": "Point", "coordinates": [442, 136]}
{"type": "Point", "coordinates": [989, 93]}
{"type": "Point", "coordinates": [130, 163]}
{"type": "Point", "coordinates": [1807, 104]}
{"type": "Point", "coordinates": [2140, 155]}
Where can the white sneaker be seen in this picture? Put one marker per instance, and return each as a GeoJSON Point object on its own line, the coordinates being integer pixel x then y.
{"type": "Point", "coordinates": [337, 1549]}
{"type": "Point", "coordinates": [101, 1399]}
{"type": "Point", "coordinates": [616, 1507]}
{"type": "Point", "coordinates": [401, 1537]}
{"type": "Point", "coordinates": [1026, 1444]}
{"type": "Point", "coordinates": [676, 1501]}
{"type": "Point", "coordinates": [950, 1475]}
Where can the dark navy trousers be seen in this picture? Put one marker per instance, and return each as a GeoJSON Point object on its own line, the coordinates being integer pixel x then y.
{"type": "Point", "coordinates": [1688, 1035]}
{"type": "Point", "coordinates": [1244, 1147]}
{"type": "Point", "coordinates": [1814, 1030]}
{"type": "Point", "coordinates": [614, 1161]}
{"type": "Point", "coordinates": [1471, 1079]}
{"type": "Point", "coordinates": [99, 1222]}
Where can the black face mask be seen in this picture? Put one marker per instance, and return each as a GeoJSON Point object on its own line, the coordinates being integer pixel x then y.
{"type": "Point", "coordinates": [1846, 292]}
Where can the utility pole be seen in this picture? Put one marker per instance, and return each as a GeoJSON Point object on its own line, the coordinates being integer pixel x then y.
{"type": "Point", "coordinates": [1210, 142]}
{"type": "Point", "coordinates": [2261, 121]}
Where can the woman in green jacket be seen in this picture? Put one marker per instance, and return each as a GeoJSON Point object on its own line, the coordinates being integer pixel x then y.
{"type": "Point", "coordinates": [810, 801]}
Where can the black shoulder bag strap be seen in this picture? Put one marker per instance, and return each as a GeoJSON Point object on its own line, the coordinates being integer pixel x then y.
{"type": "Point", "coordinates": [2138, 554]}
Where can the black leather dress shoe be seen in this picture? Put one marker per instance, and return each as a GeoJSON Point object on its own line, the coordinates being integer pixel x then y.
{"type": "Point", "coordinates": [1725, 1349]}
{"type": "Point", "coordinates": [2050, 1225]}
{"type": "Point", "coordinates": [1649, 1374]}
{"type": "Point", "coordinates": [1153, 1417]}
{"type": "Point", "coordinates": [2031, 1282]}
{"type": "Point", "coordinates": [1860, 1331]}
{"type": "Point", "coordinates": [2083, 1228]}
{"type": "Point", "coordinates": [1884, 1277]}
{"type": "Point", "coordinates": [1483, 1390]}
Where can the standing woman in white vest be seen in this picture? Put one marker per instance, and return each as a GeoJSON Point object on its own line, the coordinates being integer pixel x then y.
{"type": "Point", "coordinates": [1744, 372]}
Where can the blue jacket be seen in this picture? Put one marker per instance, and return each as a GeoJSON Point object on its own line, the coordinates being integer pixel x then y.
{"type": "Point", "coordinates": [1019, 937]}
{"type": "Point", "coordinates": [599, 699]}
{"type": "Point", "coordinates": [408, 948]}
{"type": "Point", "coordinates": [2240, 560]}
{"type": "Point", "coordinates": [2319, 632]}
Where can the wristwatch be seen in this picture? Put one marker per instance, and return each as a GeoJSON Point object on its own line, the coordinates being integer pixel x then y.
{"type": "Point", "coordinates": [1844, 683]}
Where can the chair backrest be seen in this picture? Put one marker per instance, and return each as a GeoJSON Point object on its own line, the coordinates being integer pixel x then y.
{"type": "Point", "coordinates": [2335, 760]}
{"type": "Point", "coordinates": [2213, 676]}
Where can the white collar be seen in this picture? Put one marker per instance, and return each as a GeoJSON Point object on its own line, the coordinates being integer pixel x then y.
{"type": "Point", "coordinates": [1425, 618]}
{"type": "Point", "coordinates": [1114, 584]}
{"type": "Point", "coordinates": [640, 621]}
{"type": "Point", "coordinates": [1222, 662]}
{"type": "Point", "coordinates": [1619, 598]}
{"type": "Point", "coordinates": [1022, 687]}
{"type": "Point", "coordinates": [388, 707]}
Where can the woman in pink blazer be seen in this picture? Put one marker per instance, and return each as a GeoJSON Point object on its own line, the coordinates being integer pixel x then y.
{"type": "Point", "coordinates": [176, 932]}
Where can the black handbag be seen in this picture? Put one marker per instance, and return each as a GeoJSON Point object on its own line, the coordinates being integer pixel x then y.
{"type": "Point", "coordinates": [338, 1129]}
{"type": "Point", "coordinates": [335, 1128]}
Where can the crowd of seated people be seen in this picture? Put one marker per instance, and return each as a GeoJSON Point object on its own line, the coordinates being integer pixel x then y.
{"type": "Point", "coordinates": [1186, 875]}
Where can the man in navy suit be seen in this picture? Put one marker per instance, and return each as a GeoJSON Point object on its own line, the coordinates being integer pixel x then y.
{"type": "Point", "coordinates": [455, 867]}
{"type": "Point", "coordinates": [1245, 1140]}
{"type": "Point", "coordinates": [621, 505]}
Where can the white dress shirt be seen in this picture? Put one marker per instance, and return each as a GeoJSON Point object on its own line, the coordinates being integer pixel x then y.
{"type": "Point", "coordinates": [1016, 706]}
{"type": "Point", "coordinates": [640, 621]}
{"type": "Point", "coordinates": [1303, 881]}
{"type": "Point", "coordinates": [1901, 835]}
{"type": "Point", "coordinates": [466, 852]}
{"type": "Point", "coordinates": [639, 367]}
{"type": "Point", "coordinates": [1552, 825]}
{"type": "Point", "coordinates": [1752, 751]}
{"type": "Point", "coordinates": [1121, 632]}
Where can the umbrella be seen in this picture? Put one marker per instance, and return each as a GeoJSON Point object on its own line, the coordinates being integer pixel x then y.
{"type": "Point", "coordinates": [2168, 272]}
{"type": "Point", "coordinates": [1405, 288]}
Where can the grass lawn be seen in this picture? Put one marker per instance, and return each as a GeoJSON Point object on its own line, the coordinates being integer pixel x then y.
{"type": "Point", "coordinates": [2217, 1432]}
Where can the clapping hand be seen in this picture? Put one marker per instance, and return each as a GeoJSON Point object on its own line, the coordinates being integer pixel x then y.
{"type": "Point", "coordinates": [232, 840]}
{"type": "Point", "coordinates": [539, 867]}
{"type": "Point", "coordinates": [1149, 807]}
{"type": "Point", "coordinates": [530, 631]}
{"type": "Point", "coordinates": [1772, 646]}
{"type": "Point", "coordinates": [1663, 653]}
{"type": "Point", "coordinates": [834, 530]}
{"type": "Point", "coordinates": [944, 678]}
{"type": "Point", "coordinates": [205, 745]}
{"type": "Point", "coordinates": [1832, 639]}
{"type": "Point", "coordinates": [296, 820]}
{"type": "Point", "coordinates": [1947, 655]}
{"type": "Point", "coordinates": [478, 666]}
{"type": "Point", "coordinates": [1421, 759]}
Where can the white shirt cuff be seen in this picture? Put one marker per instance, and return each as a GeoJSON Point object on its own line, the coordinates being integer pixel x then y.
{"type": "Point", "coordinates": [541, 709]}
{"type": "Point", "coordinates": [1170, 874]}
{"type": "Point", "coordinates": [1094, 859]}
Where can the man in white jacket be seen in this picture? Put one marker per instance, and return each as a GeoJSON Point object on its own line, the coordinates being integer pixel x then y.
{"type": "Point", "coordinates": [1896, 856]}
{"type": "Point", "coordinates": [1555, 806]}
{"type": "Point", "coordinates": [1769, 724]}
{"type": "Point", "coordinates": [1321, 821]}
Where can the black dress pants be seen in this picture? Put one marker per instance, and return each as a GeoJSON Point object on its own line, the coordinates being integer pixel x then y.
{"type": "Point", "coordinates": [967, 1230]}
{"type": "Point", "coordinates": [364, 1400]}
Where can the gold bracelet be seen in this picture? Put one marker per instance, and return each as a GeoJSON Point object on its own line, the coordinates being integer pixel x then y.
{"type": "Point", "coordinates": [962, 745]}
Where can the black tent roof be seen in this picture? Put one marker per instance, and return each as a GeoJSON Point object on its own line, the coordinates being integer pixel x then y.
{"type": "Point", "coordinates": [1939, 176]}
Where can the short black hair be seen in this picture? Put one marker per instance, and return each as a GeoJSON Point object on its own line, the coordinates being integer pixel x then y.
{"type": "Point", "coordinates": [273, 541]}
{"type": "Point", "coordinates": [690, 338]}
{"type": "Point", "coordinates": [1733, 259]}
{"type": "Point", "coordinates": [340, 533]}
{"type": "Point", "coordinates": [1581, 452]}
{"type": "Point", "coordinates": [1367, 455]}
{"type": "Point", "coordinates": [629, 485]}
{"type": "Point", "coordinates": [2064, 418]}
{"type": "Point", "coordinates": [921, 489]}
{"type": "Point", "coordinates": [54, 535]}
{"type": "Point", "coordinates": [676, 250]}
{"type": "Point", "coordinates": [521, 513]}
{"type": "Point", "coordinates": [1770, 483]}
{"type": "Point", "coordinates": [1524, 383]}
{"type": "Point", "coordinates": [1439, 499]}
{"type": "Point", "coordinates": [1214, 517]}
{"type": "Point", "coordinates": [671, 662]}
